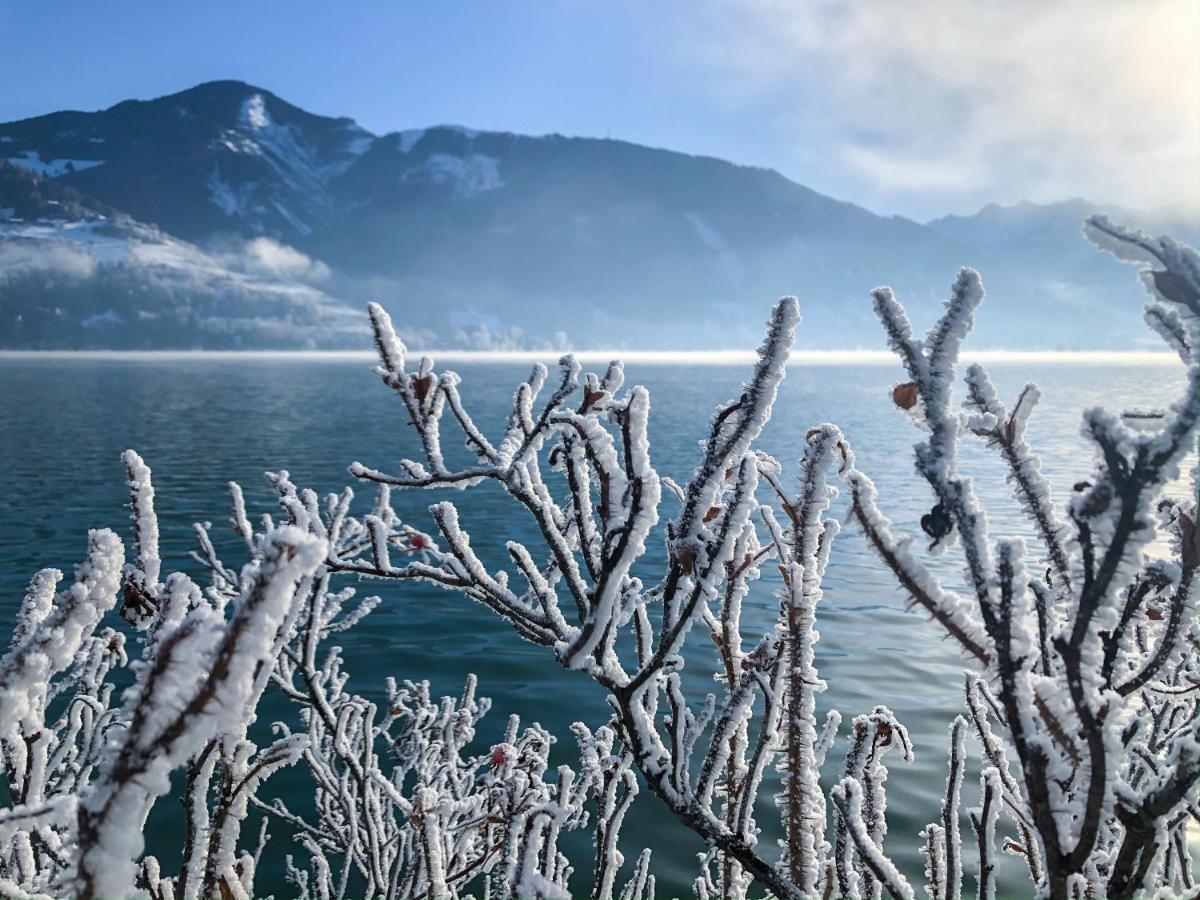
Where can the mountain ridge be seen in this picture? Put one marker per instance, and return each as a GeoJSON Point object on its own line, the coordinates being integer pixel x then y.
{"type": "Point", "coordinates": [497, 239]}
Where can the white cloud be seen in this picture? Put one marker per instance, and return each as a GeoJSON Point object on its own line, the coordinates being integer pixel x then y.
{"type": "Point", "coordinates": [267, 257]}
{"type": "Point", "coordinates": [20, 259]}
{"type": "Point", "coordinates": [950, 102]}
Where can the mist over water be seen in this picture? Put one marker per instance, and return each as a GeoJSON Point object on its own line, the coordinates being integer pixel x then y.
{"type": "Point", "coordinates": [200, 422]}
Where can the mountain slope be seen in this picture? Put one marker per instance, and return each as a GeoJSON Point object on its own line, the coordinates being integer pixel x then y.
{"type": "Point", "coordinates": [600, 238]}
{"type": "Point", "coordinates": [1034, 253]}
{"type": "Point", "coordinates": [75, 273]}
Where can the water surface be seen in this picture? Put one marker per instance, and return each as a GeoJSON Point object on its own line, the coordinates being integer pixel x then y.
{"type": "Point", "coordinates": [200, 422]}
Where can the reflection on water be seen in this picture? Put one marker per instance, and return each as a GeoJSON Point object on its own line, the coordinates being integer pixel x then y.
{"type": "Point", "coordinates": [201, 422]}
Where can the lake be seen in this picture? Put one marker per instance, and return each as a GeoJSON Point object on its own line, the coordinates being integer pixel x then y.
{"type": "Point", "coordinates": [200, 422]}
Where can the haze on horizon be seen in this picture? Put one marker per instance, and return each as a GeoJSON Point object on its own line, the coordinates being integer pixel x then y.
{"type": "Point", "coordinates": [916, 109]}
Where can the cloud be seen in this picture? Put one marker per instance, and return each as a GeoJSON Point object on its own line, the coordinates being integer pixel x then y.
{"type": "Point", "coordinates": [474, 330]}
{"type": "Point", "coordinates": [266, 257]}
{"type": "Point", "coordinates": [22, 259]}
{"type": "Point", "coordinates": [962, 101]}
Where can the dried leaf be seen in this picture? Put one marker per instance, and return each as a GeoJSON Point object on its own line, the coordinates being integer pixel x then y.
{"type": "Point", "coordinates": [590, 398]}
{"type": "Point", "coordinates": [713, 512]}
{"type": "Point", "coordinates": [905, 395]}
{"type": "Point", "coordinates": [687, 560]}
{"type": "Point", "coordinates": [937, 523]}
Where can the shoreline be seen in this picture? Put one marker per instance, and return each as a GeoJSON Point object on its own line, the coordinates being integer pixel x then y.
{"type": "Point", "coordinates": [640, 357]}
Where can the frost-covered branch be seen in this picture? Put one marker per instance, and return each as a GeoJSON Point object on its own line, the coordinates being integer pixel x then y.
{"type": "Point", "coordinates": [585, 478]}
{"type": "Point", "coordinates": [1088, 652]}
{"type": "Point", "coordinates": [1081, 632]}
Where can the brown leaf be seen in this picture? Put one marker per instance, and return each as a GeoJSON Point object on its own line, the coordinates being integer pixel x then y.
{"type": "Point", "coordinates": [905, 395]}
{"type": "Point", "coordinates": [713, 512]}
{"type": "Point", "coordinates": [687, 560]}
{"type": "Point", "coordinates": [421, 386]}
{"type": "Point", "coordinates": [590, 397]}
{"type": "Point", "coordinates": [1154, 614]}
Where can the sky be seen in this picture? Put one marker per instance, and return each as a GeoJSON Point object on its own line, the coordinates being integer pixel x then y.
{"type": "Point", "coordinates": [913, 108]}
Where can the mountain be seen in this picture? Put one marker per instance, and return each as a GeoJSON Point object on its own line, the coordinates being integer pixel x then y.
{"type": "Point", "coordinates": [497, 240]}
{"type": "Point", "coordinates": [1034, 252]}
{"type": "Point", "coordinates": [217, 157]}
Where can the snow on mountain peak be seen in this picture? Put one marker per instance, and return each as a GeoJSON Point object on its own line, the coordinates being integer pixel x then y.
{"type": "Point", "coordinates": [470, 174]}
{"type": "Point", "coordinates": [254, 112]}
{"type": "Point", "coordinates": [293, 189]}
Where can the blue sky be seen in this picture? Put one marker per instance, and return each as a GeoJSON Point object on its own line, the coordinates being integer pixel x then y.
{"type": "Point", "coordinates": [916, 108]}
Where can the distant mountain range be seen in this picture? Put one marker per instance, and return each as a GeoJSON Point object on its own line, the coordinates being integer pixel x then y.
{"type": "Point", "coordinates": [223, 216]}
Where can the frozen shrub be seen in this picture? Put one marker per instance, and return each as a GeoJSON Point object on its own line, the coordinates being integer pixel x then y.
{"type": "Point", "coordinates": [1085, 644]}
{"type": "Point", "coordinates": [1080, 647]}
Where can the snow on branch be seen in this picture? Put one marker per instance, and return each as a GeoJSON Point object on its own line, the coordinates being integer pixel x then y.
{"type": "Point", "coordinates": [1087, 649]}
{"type": "Point", "coordinates": [1080, 634]}
{"type": "Point", "coordinates": [585, 476]}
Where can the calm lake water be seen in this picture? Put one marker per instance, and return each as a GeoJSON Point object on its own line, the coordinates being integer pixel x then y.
{"type": "Point", "coordinates": [201, 422]}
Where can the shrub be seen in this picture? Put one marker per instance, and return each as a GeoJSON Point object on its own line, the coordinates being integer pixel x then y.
{"type": "Point", "coordinates": [1081, 650]}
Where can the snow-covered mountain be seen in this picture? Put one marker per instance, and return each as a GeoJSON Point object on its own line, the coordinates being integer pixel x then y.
{"type": "Point", "coordinates": [221, 156]}
{"type": "Point", "coordinates": [495, 239]}
{"type": "Point", "coordinates": [1062, 287]}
